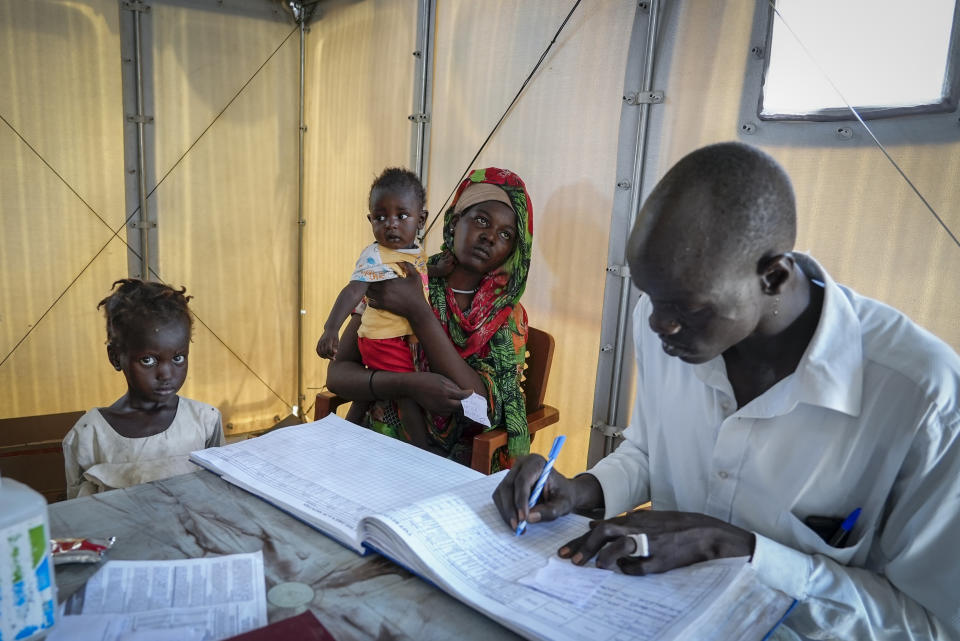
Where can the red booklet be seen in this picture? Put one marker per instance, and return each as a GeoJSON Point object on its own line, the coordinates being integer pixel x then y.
{"type": "Point", "coordinates": [303, 627]}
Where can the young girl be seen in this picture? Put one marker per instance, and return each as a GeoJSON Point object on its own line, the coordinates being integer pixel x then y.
{"type": "Point", "coordinates": [149, 432]}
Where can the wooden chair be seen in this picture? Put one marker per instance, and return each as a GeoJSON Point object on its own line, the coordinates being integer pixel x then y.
{"type": "Point", "coordinates": [536, 373]}
{"type": "Point", "coordinates": [31, 452]}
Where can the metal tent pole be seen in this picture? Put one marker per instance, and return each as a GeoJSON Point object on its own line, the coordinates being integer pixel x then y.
{"type": "Point", "coordinates": [302, 19]}
{"type": "Point", "coordinates": [638, 166]}
{"type": "Point", "coordinates": [143, 224]}
{"type": "Point", "coordinates": [423, 89]}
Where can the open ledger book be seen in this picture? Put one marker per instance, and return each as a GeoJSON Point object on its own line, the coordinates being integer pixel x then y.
{"type": "Point", "coordinates": [436, 518]}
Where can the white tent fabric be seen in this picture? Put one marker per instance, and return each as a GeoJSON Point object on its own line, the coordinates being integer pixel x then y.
{"type": "Point", "coordinates": [856, 214]}
{"type": "Point", "coordinates": [61, 197]}
{"type": "Point", "coordinates": [561, 138]}
{"type": "Point", "coordinates": [227, 203]}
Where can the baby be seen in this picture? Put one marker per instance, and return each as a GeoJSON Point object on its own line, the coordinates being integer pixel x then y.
{"type": "Point", "coordinates": [397, 215]}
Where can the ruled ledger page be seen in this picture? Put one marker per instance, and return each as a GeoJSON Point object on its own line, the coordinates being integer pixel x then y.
{"type": "Point", "coordinates": [331, 473]}
{"type": "Point", "coordinates": [459, 541]}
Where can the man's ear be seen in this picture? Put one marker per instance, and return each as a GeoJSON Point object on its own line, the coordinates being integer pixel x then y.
{"type": "Point", "coordinates": [774, 272]}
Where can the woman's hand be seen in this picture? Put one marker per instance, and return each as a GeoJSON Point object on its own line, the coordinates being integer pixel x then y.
{"type": "Point", "coordinates": [404, 297]}
{"type": "Point", "coordinates": [435, 393]}
{"type": "Point", "coordinates": [400, 296]}
{"type": "Point", "coordinates": [443, 266]}
{"type": "Point", "coordinates": [676, 539]}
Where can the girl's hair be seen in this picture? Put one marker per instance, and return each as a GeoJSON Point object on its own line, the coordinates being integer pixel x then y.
{"type": "Point", "coordinates": [136, 302]}
{"type": "Point", "coordinates": [397, 179]}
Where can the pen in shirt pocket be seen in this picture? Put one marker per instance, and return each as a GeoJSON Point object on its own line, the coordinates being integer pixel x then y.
{"type": "Point", "coordinates": [840, 536]}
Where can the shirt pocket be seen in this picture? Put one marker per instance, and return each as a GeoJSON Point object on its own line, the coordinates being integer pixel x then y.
{"type": "Point", "coordinates": [794, 533]}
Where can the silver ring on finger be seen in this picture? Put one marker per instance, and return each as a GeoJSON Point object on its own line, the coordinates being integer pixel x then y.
{"type": "Point", "coordinates": [642, 545]}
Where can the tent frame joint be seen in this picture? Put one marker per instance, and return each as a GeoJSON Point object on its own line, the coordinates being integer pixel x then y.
{"type": "Point", "coordinates": [636, 98]}
{"type": "Point", "coordinates": [135, 5]}
{"type": "Point", "coordinates": [623, 271]}
{"type": "Point", "coordinates": [610, 431]}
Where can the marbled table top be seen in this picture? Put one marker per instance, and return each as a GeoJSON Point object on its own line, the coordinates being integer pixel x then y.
{"type": "Point", "coordinates": [199, 514]}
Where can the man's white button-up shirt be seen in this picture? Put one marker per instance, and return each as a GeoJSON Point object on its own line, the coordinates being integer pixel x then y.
{"type": "Point", "coordinates": [868, 420]}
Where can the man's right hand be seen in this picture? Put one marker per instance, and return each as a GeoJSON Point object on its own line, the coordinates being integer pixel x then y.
{"type": "Point", "coordinates": [560, 495]}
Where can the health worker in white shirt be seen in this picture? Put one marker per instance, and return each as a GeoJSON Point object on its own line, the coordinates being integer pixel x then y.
{"type": "Point", "coordinates": [771, 405]}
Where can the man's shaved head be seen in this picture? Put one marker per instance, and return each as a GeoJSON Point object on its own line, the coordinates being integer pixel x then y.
{"type": "Point", "coordinates": [725, 206]}
{"type": "Point", "coordinates": [711, 249]}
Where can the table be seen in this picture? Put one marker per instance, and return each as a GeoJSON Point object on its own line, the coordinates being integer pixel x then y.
{"type": "Point", "coordinates": [199, 514]}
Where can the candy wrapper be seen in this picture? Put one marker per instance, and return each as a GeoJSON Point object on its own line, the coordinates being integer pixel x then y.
{"type": "Point", "coordinates": [80, 550]}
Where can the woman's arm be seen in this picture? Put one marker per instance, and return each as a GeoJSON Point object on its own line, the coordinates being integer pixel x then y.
{"type": "Point", "coordinates": [346, 374]}
{"type": "Point", "coordinates": [348, 377]}
{"type": "Point", "coordinates": [404, 297]}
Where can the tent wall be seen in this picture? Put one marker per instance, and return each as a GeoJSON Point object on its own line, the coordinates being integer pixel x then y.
{"type": "Point", "coordinates": [360, 73]}
{"type": "Point", "coordinates": [362, 69]}
{"type": "Point", "coordinates": [561, 138]}
{"type": "Point", "coordinates": [61, 197]}
{"type": "Point", "coordinates": [227, 212]}
{"type": "Point", "coordinates": [223, 77]}
{"type": "Point", "coordinates": [226, 200]}
{"type": "Point", "coordinates": [223, 191]}
{"type": "Point", "coordinates": [857, 216]}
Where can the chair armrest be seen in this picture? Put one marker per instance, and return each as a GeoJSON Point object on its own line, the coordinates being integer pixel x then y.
{"type": "Point", "coordinates": [541, 418]}
{"type": "Point", "coordinates": [485, 444]}
{"type": "Point", "coordinates": [327, 403]}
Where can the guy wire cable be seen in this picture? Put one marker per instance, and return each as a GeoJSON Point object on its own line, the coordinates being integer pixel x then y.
{"type": "Point", "coordinates": [502, 117]}
{"type": "Point", "coordinates": [864, 124]}
{"type": "Point", "coordinates": [115, 233]}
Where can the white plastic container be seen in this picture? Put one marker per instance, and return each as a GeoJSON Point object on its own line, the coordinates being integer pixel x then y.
{"type": "Point", "coordinates": [28, 594]}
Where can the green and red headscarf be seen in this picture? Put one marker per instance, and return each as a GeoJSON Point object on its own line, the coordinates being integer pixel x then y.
{"type": "Point", "coordinates": [498, 291]}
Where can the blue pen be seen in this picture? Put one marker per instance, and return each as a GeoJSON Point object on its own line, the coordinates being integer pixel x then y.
{"type": "Point", "coordinates": [538, 488]}
{"type": "Point", "coordinates": [841, 534]}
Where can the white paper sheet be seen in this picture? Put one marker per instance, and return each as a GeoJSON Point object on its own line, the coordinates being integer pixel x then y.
{"type": "Point", "coordinates": [110, 627]}
{"type": "Point", "coordinates": [475, 408]}
{"type": "Point", "coordinates": [213, 597]}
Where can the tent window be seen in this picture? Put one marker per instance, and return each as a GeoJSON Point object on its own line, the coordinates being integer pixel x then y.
{"type": "Point", "coordinates": [886, 58]}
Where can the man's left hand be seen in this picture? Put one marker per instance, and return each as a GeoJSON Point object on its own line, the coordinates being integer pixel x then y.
{"type": "Point", "coordinates": [676, 539]}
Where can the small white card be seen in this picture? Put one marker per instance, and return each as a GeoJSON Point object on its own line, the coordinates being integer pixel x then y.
{"type": "Point", "coordinates": [475, 408]}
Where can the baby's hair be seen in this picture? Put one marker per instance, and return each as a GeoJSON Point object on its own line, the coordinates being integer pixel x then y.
{"type": "Point", "coordinates": [136, 302]}
{"type": "Point", "coordinates": [397, 179]}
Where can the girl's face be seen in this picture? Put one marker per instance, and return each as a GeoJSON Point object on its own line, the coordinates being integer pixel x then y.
{"type": "Point", "coordinates": [155, 361]}
{"type": "Point", "coordinates": [395, 217]}
{"type": "Point", "coordinates": [484, 236]}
